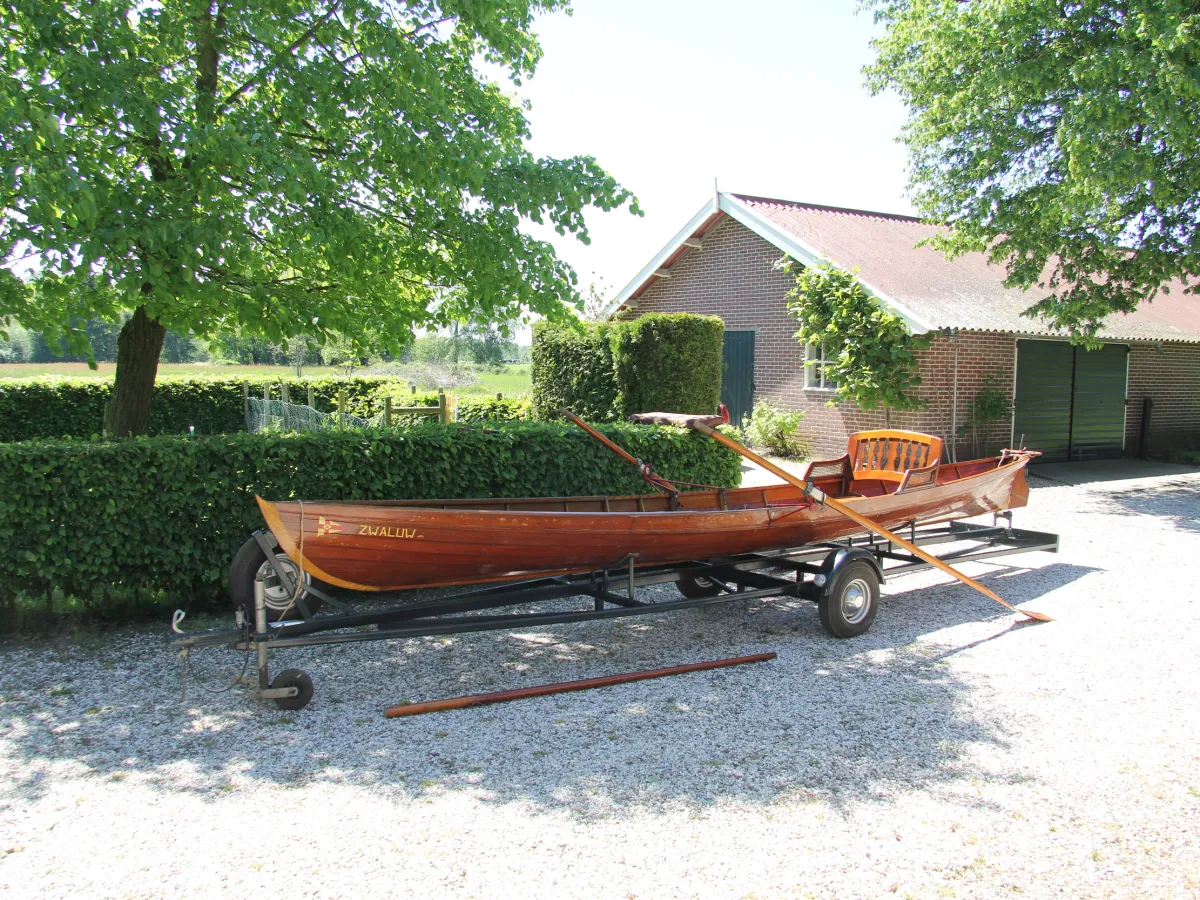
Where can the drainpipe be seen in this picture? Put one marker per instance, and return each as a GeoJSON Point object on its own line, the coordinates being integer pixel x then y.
{"type": "Point", "coordinates": [954, 402]}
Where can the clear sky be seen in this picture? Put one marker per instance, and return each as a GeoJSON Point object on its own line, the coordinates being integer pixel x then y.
{"type": "Point", "coordinates": [765, 95]}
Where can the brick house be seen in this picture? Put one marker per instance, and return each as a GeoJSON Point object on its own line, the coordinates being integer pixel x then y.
{"type": "Point", "coordinates": [1068, 402]}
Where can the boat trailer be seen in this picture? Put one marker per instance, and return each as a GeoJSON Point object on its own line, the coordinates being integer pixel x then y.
{"type": "Point", "coordinates": [841, 577]}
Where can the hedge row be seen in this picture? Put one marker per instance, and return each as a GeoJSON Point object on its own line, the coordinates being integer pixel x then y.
{"type": "Point", "coordinates": [467, 407]}
{"type": "Point", "coordinates": [657, 363]}
{"type": "Point", "coordinates": [95, 518]}
{"type": "Point", "coordinates": [472, 408]}
{"type": "Point", "coordinates": [31, 409]}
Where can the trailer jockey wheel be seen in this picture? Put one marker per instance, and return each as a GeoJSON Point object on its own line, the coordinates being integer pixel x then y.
{"type": "Point", "coordinates": [247, 563]}
{"type": "Point", "coordinates": [696, 587]}
{"type": "Point", "coordinates": [850, 600]}
{"type": "Point", "coordinates": [297, 679]}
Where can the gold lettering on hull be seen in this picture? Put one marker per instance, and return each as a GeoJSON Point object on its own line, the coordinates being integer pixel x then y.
{"type": "Point", "coordinates": [388, 531]}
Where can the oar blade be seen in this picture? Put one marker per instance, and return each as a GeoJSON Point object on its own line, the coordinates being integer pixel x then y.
{"type": "Point", "coordinates": [1036, 616]}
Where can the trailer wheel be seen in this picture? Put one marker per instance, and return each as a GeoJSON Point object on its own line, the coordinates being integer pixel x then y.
{"type": "Point", "coordinates": [293, 678]}
{"type": "Point", "coordinates": [850, 600]}
{"type": "Point", "coordinates": [247, 563]}
{"type": "Point", "coordinates": [696, 587]}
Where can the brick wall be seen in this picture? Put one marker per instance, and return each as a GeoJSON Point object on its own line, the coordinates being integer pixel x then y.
{"type": "Point", "coordinates": [734, 277]}
{"type": "Point", "coordinates": [1170, 374]}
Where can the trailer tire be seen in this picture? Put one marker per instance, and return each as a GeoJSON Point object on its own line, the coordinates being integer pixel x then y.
{"type": "Point", "coordinates": [697, 587]}
{"type": "Point", "coordinates": [850, 600]}
{"type": "Point", "coordinates": [244, 570]}
{"type": "Point", "coordinates": [298, 679]}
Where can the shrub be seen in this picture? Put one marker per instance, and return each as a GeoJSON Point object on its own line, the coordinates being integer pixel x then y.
{"type": "Point", "coordinates": [18, 346]}
{"type": "Point", "coordinates": [658, 363]}
{"type": "Point", "coordinates": [99, 519]}
{"type": "Point", "coordinates": [668, 363]}
{"type": "Point", "coordinates": [573, 367]}
{"type": "Point", "coordinates": [37, 408]}
{"type": "Point", "coordinates": [776, 431]}
{"type": "Point", "coordinates": [990, 407]}
{"type": "Point", "coordinates": [472, 408]}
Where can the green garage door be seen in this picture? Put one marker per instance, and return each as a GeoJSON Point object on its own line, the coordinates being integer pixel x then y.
{"type": "Point", "coordinates": [1070, 402]}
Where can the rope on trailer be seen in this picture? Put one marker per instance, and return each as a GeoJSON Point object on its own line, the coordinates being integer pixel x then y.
{"type": "Point", "coordinates": [300, 573]}
{"type": "Point", "coordinates": [187, 659]}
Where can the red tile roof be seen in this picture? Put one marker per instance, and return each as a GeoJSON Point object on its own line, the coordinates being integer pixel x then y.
{"type": "Point", "coordinates": [966, 292]}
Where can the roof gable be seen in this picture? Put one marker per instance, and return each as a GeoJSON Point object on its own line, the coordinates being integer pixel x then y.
{"type": "Point", "coordinates": [920, 285]}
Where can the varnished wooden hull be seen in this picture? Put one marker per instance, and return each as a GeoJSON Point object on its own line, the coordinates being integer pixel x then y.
{"type": "Point", "coordinates": [388, 545]}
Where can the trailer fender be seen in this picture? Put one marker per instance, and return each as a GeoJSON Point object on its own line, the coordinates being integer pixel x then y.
{"type": "Point", "coordinates": [838, 558]}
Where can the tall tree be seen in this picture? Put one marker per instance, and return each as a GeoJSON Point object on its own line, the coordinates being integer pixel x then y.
{"type": "Point", "coordinates": [289, 166]}
{"type": "Point", "coordinates": [1059, 136]}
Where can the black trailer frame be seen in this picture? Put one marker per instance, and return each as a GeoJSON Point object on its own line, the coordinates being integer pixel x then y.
{"type": "Point", "coordinates": [808, 572]}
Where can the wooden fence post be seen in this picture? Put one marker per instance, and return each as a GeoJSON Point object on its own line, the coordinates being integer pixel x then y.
{"type": "Point", "coordinates": [387, 412]}
{"type": "Point", "coordinates": [267, 393]}
{"type": "Point", "coordinates": [342, 401]}
{"type": "Point", "coordinates": [443, 409]}
{"type": "Point", "coordinates": [310, 397]}
{"type": "Point", "coordinates": [284, 394]}
{"type": "Point", "coordinates": [245, 398]}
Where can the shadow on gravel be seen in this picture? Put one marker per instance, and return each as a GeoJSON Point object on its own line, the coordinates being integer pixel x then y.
{"type": "Point", "coordinates": [1177, 504]}
{"type": "Point", "coordinates": [838, 722]}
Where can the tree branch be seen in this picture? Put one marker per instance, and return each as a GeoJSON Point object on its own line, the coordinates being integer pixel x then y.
{"type": "Point", "coordinates": [279, 58]}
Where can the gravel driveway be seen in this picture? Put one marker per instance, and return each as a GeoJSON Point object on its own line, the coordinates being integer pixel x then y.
{"type": "Point", "coordinates": [950, 752]}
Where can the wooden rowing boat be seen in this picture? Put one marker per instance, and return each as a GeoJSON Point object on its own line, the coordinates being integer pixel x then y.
{"type": "Point", "coordinates": [389, 545]}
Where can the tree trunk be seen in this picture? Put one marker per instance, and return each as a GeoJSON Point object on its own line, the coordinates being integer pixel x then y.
{"type": "Point", "coordinates": [138, 347]}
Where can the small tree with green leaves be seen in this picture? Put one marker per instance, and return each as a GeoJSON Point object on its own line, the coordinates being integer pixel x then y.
{"type": "Point", "coordinates": [870, 352]}
{"type": "Point", "coordinates": [990, 406]}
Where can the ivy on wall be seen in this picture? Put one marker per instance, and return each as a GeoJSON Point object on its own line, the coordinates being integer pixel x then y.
{"type": "Point", "coordinates": [870, 352]}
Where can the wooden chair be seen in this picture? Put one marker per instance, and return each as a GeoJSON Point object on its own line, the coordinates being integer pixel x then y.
{"type": "Point", "coordinates": [907, 458]}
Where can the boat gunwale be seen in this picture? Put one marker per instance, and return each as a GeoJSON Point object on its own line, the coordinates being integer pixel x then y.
{"type": "Point", "coordinates": [462, 505]}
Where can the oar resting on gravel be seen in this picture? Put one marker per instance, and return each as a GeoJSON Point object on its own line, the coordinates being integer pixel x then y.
{"type": "Point", "coordinates": [704, 424]}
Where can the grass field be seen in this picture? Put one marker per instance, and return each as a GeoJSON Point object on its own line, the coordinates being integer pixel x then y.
{"type": "Point", "coordinates": [512, 380]}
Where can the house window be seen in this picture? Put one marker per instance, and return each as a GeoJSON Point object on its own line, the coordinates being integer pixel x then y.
{"type": "Point", "coordinates": [815, 377]}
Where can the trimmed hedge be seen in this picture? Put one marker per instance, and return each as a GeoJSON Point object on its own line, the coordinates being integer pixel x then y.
{"type": "Point", "coordinates": [475, 408]}
{"type": "Point", "coordinates": [668, 363]}
{"type": "Point", "coordinates": [95, 518]}
{"type": "Point", "coordinates": [657, 363]}
{"type": "Point", "coordinates": [31, 409]}
{"type": "Point", "coordinates": [467, 407]}
{"type": "Point", "coordinates": [573, 367]}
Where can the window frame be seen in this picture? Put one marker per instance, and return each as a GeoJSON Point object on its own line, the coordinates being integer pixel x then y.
{"type": "Point", "coordinates": [815, 364]}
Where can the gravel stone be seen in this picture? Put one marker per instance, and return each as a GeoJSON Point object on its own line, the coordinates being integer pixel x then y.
{"type": "Point", "coordinates": [953, 751]}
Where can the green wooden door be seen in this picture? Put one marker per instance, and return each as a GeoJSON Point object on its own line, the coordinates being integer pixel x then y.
{"type": "Point", "coordinates": [1070, 402]}
{"type": "Point", "coordinates": [737, 379]}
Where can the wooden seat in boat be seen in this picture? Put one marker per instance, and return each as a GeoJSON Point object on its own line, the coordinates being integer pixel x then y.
{"type": "Point", "coordinates": [876, 460]}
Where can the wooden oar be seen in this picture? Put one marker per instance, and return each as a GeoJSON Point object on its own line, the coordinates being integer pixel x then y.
{"type": "Point", "coordinates": [836, 505]}
{"type": "Point", "coordinates": [414, 709]}
{"type": "Point", "coordinates": [644, 468]}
